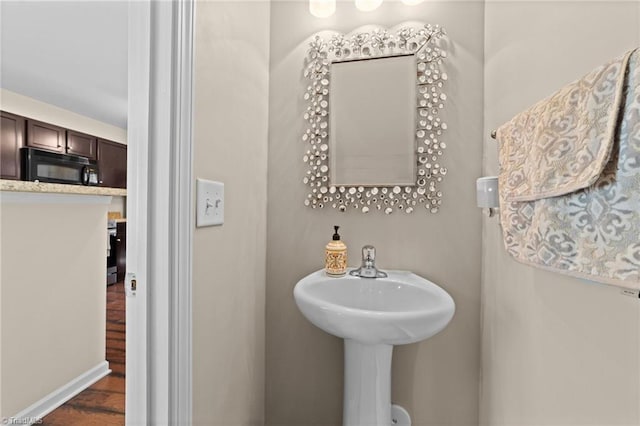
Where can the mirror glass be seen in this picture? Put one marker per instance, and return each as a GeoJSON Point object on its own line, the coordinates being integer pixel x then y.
{"type": "Point", "coordinates": [372, 121]}
{"type": "Point", "coordinates": [374, 133]}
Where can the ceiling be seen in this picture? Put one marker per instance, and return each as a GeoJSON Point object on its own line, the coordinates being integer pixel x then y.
{"type": "Point", "coordinates": [72, 54]}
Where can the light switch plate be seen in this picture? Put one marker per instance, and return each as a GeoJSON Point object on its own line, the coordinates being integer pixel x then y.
{"type": "Point", "coordinates": [209, 203]}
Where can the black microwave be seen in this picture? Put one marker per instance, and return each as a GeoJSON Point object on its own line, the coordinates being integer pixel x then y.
{"type": "Point", "coordinates": [52, 167]}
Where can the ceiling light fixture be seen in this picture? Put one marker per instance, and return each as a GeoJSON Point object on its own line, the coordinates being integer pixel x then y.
{"type": "Point", "coordinates": [368, 5]}
{"type": "Point", "coordinates": [322, 8]}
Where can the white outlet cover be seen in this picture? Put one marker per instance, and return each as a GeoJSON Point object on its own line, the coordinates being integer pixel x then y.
{"type": "Point", "coordinates": [209, 203]}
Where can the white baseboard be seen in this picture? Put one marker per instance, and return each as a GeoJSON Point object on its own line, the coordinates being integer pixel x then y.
{"type": "Point", "coordinates": [55, 399]}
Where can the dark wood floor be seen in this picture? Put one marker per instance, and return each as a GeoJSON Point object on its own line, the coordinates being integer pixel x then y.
{"type": "Point", "coordinates": [102, 404]}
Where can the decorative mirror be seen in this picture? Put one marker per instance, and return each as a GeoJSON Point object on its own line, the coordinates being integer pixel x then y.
{"type": "Point", "coordinates": [374, 133]}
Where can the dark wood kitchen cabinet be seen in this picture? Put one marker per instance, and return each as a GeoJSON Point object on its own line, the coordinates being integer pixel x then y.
{"type": "Point", "coordinates": [46, 136]}
{"type": "Point", "coordinates": [112, 164]}
{"type": "Point", "coordinates": [82, 144]}
{"type": "Point", "coordinates": [19, 131]}
{"type": "Point", "coordinates": [121, 250]}
{"type": "Point", "coordinates": [11, 140]}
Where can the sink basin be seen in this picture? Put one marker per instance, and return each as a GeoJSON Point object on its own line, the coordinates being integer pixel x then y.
{"type": "Point", "coordinates": [402, 308]}
{"type": "Point", "coordinates": [372, 315]}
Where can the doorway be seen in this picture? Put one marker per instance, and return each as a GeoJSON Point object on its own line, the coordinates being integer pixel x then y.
{"type": "Point", "coordinates": [158, 339]}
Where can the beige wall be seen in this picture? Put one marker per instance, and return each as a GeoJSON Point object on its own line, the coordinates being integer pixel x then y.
{"type": "Point", "coordinates": [119, 204]}
{"type": "Point", "coordinates": [230, 119]}
{"type": "Point", "coordinates": [436, 380]}
{"type": "Point", "coordinates": [555, 350]}
{"type": "Point", "coordinates": [52, 282]}
{"type": "Point", "coordinates": [32, 108]}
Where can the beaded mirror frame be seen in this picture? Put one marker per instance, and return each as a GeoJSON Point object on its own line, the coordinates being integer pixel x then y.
{"type": "Point", "coordinates": [424, 44]}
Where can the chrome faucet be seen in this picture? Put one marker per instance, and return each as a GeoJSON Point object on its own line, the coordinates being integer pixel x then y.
{"type": "Point", "coordinates": [368, 268]}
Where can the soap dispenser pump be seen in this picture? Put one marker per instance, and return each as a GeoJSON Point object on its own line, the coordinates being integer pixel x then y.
{"type": "Point", "coordinates": [335, 258]}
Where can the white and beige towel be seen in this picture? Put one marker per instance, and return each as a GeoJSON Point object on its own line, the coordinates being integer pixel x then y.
{"type": "Point", "coordinates": [570, 177]}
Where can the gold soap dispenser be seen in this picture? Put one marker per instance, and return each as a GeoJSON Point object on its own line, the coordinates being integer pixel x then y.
{"type": "Point", "coordinates": [335, 258]}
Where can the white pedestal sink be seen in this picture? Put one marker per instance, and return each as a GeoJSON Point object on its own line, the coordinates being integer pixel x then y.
{"type": "Point", "coordinates": [372, 315]}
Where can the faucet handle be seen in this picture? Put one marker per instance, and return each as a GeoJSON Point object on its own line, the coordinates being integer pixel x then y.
{"type": "Point", "coordinates": [368, 268]}
{"type": "Point", "coordinates": [369, 253]}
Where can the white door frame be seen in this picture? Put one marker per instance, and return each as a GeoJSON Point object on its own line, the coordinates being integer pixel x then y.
{"type": "Point", "coordinates": [159, 211]}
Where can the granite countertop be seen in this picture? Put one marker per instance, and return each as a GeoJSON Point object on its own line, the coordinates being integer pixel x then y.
{"type": "Point", "coordinates": [26, 186]}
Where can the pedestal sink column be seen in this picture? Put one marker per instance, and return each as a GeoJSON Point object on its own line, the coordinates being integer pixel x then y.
{"type": "Point", "coordinates": [367, 384]}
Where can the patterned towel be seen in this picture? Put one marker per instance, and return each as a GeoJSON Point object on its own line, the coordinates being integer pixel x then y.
{"type": "Point", "coordinates": [570, 177]}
